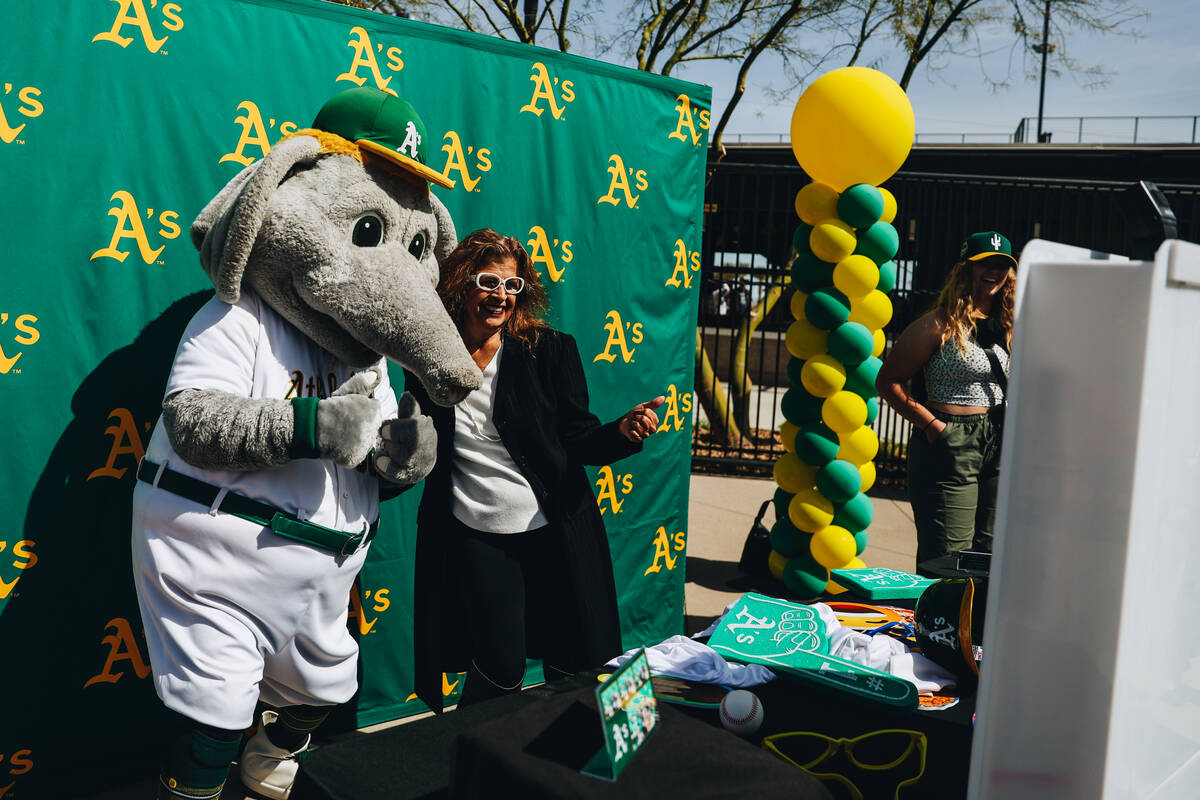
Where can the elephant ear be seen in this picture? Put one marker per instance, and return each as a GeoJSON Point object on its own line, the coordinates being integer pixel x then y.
{"type": "Point", "coordinates": [447, 238]}
{"type": "Point", "coordinates": [226, 229]}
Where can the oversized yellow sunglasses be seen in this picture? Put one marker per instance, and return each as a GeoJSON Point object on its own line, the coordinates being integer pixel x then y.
{"type": "Point", "coordinates": [877, 751]}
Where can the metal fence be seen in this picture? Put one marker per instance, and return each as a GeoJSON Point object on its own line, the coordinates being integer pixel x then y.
{"type": "Point", "coordinates": [745, 292]}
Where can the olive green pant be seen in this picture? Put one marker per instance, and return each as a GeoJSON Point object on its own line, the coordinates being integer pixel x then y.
{"type": "Point", "coordinates": [952, 483]}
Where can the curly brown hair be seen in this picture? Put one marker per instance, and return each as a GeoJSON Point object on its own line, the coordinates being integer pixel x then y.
{"type": "Point", "coordinates": [473, 254]}
{"type": "Point", "coordinates": [956, 306]}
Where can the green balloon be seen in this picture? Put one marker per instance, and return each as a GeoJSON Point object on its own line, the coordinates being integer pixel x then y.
{"type": "Point", "coordinates": [860, 205]}
{"type": "Point", "coordinates": [787, 539]}
{"type": "Point", "coordinates": [805, 578]}
{"type": "Point", "coordinates": [839, 480]}
{"type": "Point", "coordinates": [817, 444]}
{"type": "Point", "coordinates": [826, 308]}
{"type": "Point", "coordinates": [861, 378]}
{"type": "Point", "coordinates": [860, 542]}
{"type": "Point", "coordinates": [887, 277]}
{"type": "Point", "coordinates": [878, 242]}
{"type": "Point", "coordinates": [850, 343]}
{"type": "Point", "coordinates": [794, 366]}
{"type": "Point", "coordinates": [800, 238]}
{"type": "Point", "coordinates": [801, 408]}
{"type": "Point", "coordinates": [810, 273]}
{"type": "Point", "coordinates": [855, 514]}
{"type": "Point", "coordinates": [872, 410]}
{"type": "Point", "coordinates": [781, 501]}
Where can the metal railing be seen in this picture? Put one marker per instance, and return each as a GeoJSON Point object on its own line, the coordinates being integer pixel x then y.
{"type": "Point", "coordinates": [749, 221]}
{"type": "Point", "coordinates": [1163, 129]}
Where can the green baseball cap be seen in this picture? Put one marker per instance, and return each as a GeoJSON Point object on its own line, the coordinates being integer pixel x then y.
{"type": "Point", "coordinates": [383, 125]}
{"type": "Point", "coordinates": [982, 245]}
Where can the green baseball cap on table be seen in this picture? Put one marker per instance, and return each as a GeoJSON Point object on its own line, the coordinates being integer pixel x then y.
{"type": "Point", "coordinates": [383, 125]}
{"type": "Point", "coordinates": [983, 245]}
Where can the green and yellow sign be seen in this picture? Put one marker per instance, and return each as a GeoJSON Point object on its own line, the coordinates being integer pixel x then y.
{"type": "Point", "coordinates": [119, 120]}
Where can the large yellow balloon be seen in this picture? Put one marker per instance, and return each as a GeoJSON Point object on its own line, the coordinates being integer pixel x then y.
{"type": "Point", "coordinates": [855, 276]}
{"type": "Point", "coordinates": [793, 475]}
{"type": "Point", "coordinates": [844, 412]}
{"type": "Point", "coordinates": [816, 203]}
{"type": "Point", "coordinates": [859, 446]}
{"type": "Point", "coordinates": [833, 546]}
{"type": "Point", "coordinates": [852, 125]}
{"type": "Point", "coordinates": [805, 340]}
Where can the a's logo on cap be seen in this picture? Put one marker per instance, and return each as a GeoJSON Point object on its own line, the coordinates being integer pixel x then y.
{"type": "Point", "coordinates": [412, 142]}
{"type": "Point", "coordinates": [996, 241]}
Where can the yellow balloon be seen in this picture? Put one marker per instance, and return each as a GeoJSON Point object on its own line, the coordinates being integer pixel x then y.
{"type": "Point", "coordinates": [805, 340]}
{"type": "Point", "coordinates": [855, 276]}
{"type": "Point", "coordinates": [834, 588]}
{"type": "Point", "coordinates": [855, 563]}
{"type": "Point", "coordinates": [889, 205]}
{"type": "Point", "coordinates": [823, 375]}
{"type": "Point", "coordinates": [874, 310]}
{"type": "Point", "coordinates": [880, 342]}
{"type": "Point", "coordinates": [833, 546]}
{"type": "Point", "coordinates": [775, 564]}
{"type": "Point", "coordinates": [852, 125]}
{"type": "Point", "coordinates": [859, 446]}
{"type": "Point", "coordinates": [867, 471]}
{"type": "Point", "coordinates": [787, 432]}
{"type": "Point", "coordinates": [793, 475]}
{"type": "Point", "coordinates": [816, 203]}
{"type": "Point", "coordinates": [797, 303]}
{"type": "Point", "coordinates": [810, 511]}
{"type": "Point", "coordinates": [844, 412]}
{"type": "Point", "coordinates": [832, 240]}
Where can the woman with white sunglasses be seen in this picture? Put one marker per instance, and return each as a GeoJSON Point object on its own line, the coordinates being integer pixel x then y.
{"type": "Point", "coordinates": [512, 555]}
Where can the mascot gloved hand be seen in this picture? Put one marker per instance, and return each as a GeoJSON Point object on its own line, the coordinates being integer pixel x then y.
{"type": "Point", "coordinates": [259, 493]}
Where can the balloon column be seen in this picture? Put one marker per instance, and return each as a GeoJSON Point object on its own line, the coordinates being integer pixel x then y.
{"type": "Point", "coordinates": [851, 130]}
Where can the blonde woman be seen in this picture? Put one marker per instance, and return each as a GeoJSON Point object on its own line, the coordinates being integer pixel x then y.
{"type": "Point", "coordinates": [962, 345]}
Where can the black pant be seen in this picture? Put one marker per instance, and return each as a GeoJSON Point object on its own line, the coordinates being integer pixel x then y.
{"type": "Point", "coordinates": [514, 600]}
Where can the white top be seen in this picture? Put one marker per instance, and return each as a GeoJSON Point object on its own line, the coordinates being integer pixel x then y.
{"type": "Point", "coordinates": [248, 350]}
{"type": "Point", "coordinates": [964, 378]}
{"type": "Point", "coordinates": [487, 490]}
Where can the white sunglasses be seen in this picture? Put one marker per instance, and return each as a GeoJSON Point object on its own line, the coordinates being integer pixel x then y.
{"type": "Point", "coordinates": [490, 282]}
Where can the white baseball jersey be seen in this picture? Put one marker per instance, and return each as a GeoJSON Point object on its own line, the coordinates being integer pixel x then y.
{"type": "Point", "coordinates": [234, 613]}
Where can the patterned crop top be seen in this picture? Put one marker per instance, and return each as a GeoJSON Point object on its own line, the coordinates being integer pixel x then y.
{"type": "Point", "coordinates": [964, 379]}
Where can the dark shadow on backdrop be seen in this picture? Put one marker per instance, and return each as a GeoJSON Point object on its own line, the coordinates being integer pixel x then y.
{"type": "Point", "coordinates": [73, 617]}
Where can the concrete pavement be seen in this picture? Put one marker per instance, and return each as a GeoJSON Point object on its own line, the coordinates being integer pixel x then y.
{"type": "Point", "coordinates": [721, 511]}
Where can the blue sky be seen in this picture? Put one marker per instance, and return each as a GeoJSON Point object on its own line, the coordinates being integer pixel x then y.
{"type": "Point", "coordinates": [1158, 74]}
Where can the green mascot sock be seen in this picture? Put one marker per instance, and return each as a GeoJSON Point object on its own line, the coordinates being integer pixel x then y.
{"type": "Point", "coordinates": [198, 764]}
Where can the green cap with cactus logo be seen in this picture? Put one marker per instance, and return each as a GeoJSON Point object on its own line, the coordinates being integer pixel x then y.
{"type": "Point", "coordinates": [983, 245]}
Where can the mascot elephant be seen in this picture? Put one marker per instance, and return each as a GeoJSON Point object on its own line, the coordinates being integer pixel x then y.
{"type": "Point", "coordinates": [259, 493]}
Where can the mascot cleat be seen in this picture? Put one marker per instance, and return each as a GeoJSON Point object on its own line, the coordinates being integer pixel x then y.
{"type": "Point", "coordinates": [266, 768]}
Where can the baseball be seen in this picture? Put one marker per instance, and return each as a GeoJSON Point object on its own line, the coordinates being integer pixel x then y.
{"type": "Point", "coordinates": [741, 712]}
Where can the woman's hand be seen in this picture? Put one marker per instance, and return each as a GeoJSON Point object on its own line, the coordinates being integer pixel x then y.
{"type": "Point", "coordinates": [934, 430]}
{"type": "Point", "coordinates": [641, 421]}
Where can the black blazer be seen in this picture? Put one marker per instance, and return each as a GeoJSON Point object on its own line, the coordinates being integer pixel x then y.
{"type": "Point", "coordinates": [541, 412]}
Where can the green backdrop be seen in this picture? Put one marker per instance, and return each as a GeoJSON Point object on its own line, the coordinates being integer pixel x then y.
{"type": "Point", "coordinates": [119, 119]}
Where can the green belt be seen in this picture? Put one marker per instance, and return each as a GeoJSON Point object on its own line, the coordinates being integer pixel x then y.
{"type": "Point", "coordinates": [280, 522]}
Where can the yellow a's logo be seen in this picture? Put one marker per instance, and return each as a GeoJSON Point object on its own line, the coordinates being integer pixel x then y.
{"type": "Point", "coordinates": [541, 251]}
{"type": "Point", "coordinates": [30, 107]}
{"type": "Point", "coordinates": [456, 160]}
{"type": "Point", "coordinates": [19, 763]}
{"type": "Point", "coordinates": [129, 226]}
{"type": "Point", "coordinates": [663, 546]}
{"type": "Point", "coordinates": [29, 335]}
{"type": "Point", "coordinates": [133, 12]}
{"type": "Point", "coordinates": [608, 486]}
{"type": "Point", "coordinates": [685, 265]}
{"type": "Point", "coordinates": [616, 338]}
{"type": "Point", "coordinates": [122, 646]}
{"type": "Point", "coordinates": [686, 120]}
{"type": "Point", "coordinates": [254, 134]}
{"type": "Point", "coordinates": [26, 558]}
{"type": "Point", "coordinates": [543, 89]}
{"type": "Point", "coordinates": [364, 56]}
{"type": "Point", "coordinates": [126, 442]}
{"type": "Point", "coordinates": [619, 181]}
{"type": "Point", "coordinates": [381, 603]}
{"type": "Point", "coordinates": [674, 409]}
